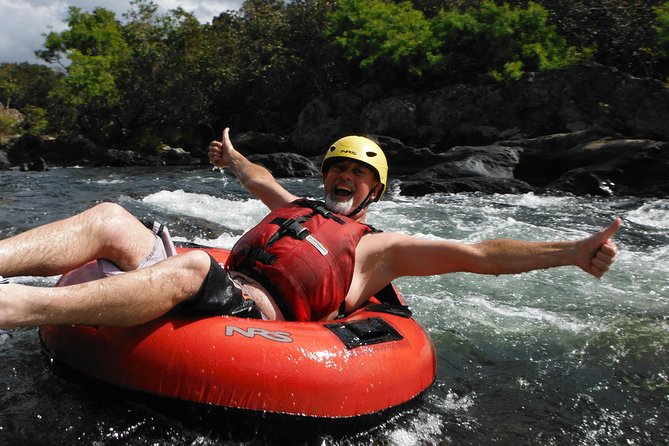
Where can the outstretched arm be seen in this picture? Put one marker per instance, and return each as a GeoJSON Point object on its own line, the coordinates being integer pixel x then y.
{"type": "Point", "coordinates": [255, 178]}
{"type": "Point", "coordinates": [387, 256]}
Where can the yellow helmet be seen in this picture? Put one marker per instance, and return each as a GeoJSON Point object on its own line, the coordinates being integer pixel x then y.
{"type": "Point", "coordinates": [363, 150]}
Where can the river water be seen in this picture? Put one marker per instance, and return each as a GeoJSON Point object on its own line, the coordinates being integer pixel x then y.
{"type": "Point", "coordinates": [549, 357]}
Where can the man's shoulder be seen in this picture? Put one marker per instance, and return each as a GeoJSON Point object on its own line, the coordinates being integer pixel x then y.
{"type": "Point", "coordinates": [380, 240]}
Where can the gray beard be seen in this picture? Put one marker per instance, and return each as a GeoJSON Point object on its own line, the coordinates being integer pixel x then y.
{"type": "Point", "coordinates": [337, 206]}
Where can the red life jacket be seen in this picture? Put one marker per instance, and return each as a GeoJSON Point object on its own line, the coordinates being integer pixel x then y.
{"type": "Point", "coordinates": [303, 255]}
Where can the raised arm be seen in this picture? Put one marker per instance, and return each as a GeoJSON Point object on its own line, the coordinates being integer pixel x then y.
{"type": "Point", "coordinates": [254, 177]}
{"type": "Point", "coordinates": [386, 256]}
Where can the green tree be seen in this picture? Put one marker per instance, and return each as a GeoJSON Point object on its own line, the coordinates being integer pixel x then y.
{"type": "Point", "coordinates": [138, 83]}
{"type": "Point", "coordinates": [95, 47]}
{"type": "Point", "coordinates": [501, 41]}
{"type": "Point", "coordinates": [621, 30]}
{"type": "Point", "coordinates": [24, 84]}
{"type": "Point", "coordinates": [34, 87]}
{"type": "Point", "coordinates": [8, 88]}
{"type": "Point", "coordinates": [94, 53]}
{"type": "Point", "coordinates": [171, 74]}
{"type": "Point", "coordinates": [36, 121]}
{"type": "Point", "coordinates": [662, 27]}
{"type": "Point", "coordinates": [276, 59]}
{"type": "Point", "coordinates": [382, 36]}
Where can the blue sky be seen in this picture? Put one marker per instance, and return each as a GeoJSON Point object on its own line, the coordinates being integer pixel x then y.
{"type": "Point", "coordinates": [22, 22]}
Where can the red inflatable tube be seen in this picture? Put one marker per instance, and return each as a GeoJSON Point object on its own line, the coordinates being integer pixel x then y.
{"type": "Point", "coordinates": [367, 363]}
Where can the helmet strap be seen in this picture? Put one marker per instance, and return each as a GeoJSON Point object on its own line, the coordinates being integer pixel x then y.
{"type": "Point", "coordinates": [364, 203]}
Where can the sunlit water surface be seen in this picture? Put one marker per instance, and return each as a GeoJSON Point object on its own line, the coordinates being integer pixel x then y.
{"type": "Point", "coordinates": [548, 357]}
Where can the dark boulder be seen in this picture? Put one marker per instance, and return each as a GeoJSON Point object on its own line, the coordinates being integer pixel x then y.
{"type": "Point", "coordinates": [326, 119]}
{"type": "Point", "coordinates": [564, 100]}
{"type": "Point", "coordinates": [4, 161]}
{"type": "Point", "coordinates": [403, 160]}
{"type": "Point", "coordinates": [123, 158]}
{"type": "Point", "coordinates": [620, 167]}
{"type": "Point", "coordinates": [286, 165]}
{"type": "Point", "coordinates": [25, 149]}
{"type": "Point", "coordinates": [465, 161]}
{"type": "Point", "coordinates": [38, 165]}
{"type": "Point", "coordinates": [176, 156]}
{"type": "Point", "coordinates": [487, 169]}
{"type": "Point", "coordinates": [256, 142]}
{"type": "Point", "coordinates": [485, 185]}
{"type": "Point", "coordinates": [73, 149]}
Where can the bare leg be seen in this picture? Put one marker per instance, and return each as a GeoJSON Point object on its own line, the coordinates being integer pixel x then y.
{"type": "Point", "coordinates": [124, 300]}
{"type": "Point", "coordinates": [105, 231]}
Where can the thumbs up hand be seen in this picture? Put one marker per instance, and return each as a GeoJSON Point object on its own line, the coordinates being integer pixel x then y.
{"type": "Point", "coordinates": [597, 252]}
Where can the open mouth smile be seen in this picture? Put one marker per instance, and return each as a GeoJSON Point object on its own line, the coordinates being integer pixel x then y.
{"type": "Point", "coordinates": [343, 191]}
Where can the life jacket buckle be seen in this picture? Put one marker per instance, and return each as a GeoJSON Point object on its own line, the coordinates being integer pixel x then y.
{"type": "Point", "coordinates": [292, 227]}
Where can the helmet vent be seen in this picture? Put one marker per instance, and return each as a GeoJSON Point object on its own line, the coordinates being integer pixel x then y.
{"type": "Point", "coordinates": [332, 148]}
{"type": "Point", "coordinates": [370, 154]}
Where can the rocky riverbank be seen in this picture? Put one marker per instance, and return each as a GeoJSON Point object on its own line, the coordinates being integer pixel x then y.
{"type": "Point", "coordinates": [582, 130]}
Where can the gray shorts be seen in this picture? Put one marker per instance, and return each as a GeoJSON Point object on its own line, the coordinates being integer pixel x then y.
{"type": "Point", "coordinates": [162, 249]}
{"type": "Point", "coordinates": [219, 294]}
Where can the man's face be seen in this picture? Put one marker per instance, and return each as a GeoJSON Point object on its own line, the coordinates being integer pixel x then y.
{"type": "Point", "coordinates": [347, 184]}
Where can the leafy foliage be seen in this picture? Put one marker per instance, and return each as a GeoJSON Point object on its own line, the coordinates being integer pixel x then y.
{"type": "Point", "coordinates": [502, 41]}
{"type": "Point", "coordinates": [149, 78]}
{"type": "Point", "coordinates": [94, 45]}
{"type": "Point", "coordinates": [622, 31]}
{"type": "Point", "coordinates": [377, 34]}
{"type": "Point", "coordinates": [23, 84]}
{"type": "Point", "coordinates": [662, 27]}
{"type": "Point", "coordinates": [8, 126]}
{"type": "Point", "coordinates": [36, 120]}
{"type": "Point", "coordinates": [276, 58]}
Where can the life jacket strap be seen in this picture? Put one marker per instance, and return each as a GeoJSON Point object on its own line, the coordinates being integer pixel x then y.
{"type": "Point", "coordinates": [251, 254]}
{"type": "Point", "coordinates": [288, 226]}
{"type": "Point", "coordinates": [320, 209]}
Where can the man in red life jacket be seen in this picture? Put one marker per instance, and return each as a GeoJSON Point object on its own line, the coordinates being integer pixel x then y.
{"type": "Point", "coordinates": [353, 177]}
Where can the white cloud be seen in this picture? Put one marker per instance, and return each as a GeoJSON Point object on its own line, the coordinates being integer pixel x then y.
{"type": "Point", "coordinates": [22, 22]}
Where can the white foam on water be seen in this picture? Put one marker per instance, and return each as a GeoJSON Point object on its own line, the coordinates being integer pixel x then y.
{"type": "Point", "coordinates": [523, 317]}
{"type": "Point", "coordinates": [653, 214]}
{"type": "Point", "coordinates": [502, 318]}
{"type": "Point", "coordinates": [425, 428]}
{"type": "Point", "coordinates": [535, 201]}
{"type": "Point", "coordinates": [234, 214]}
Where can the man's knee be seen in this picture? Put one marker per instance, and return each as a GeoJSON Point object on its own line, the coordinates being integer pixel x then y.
{"type": "Point", "coordinates": [120, 237]}
{"type": "Point", "coordinates": [108, 214]}
{"type": "Point", "coordinates": [191, 270]}
{"type": "Point", "coordinates": [197, 264]}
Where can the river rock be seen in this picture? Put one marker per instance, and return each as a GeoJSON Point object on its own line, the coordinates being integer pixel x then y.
{"type": "Point", "coordinates": [617, 167]}
{"type": "Point", "coordinates": [564, 100]}
{"type": "Point", "coordinates": [405, 160]}
{"type": "Point", "coordinates": [485, 185]}
{"type": "Point", "coordinates": [39, 165]}
{"type": "Point", "coordinates": [25, 149]}
{"type": "Point", "coordinates": [257, 142]}
{"type": "Point", "coordinates": [4, 160]}
{"type": "Point", "coordinates": [176, 156]}
{"type": "Point", "coordinates": [465, 161]}
{"type": "Point", "coordinates": [487, 169]}
{"type": "Point", "coordinates": [324, 120]}
{"type": "Point", "coordinates": [74, 150]}
{"type": "Point", "coordinates": [286, 165]}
